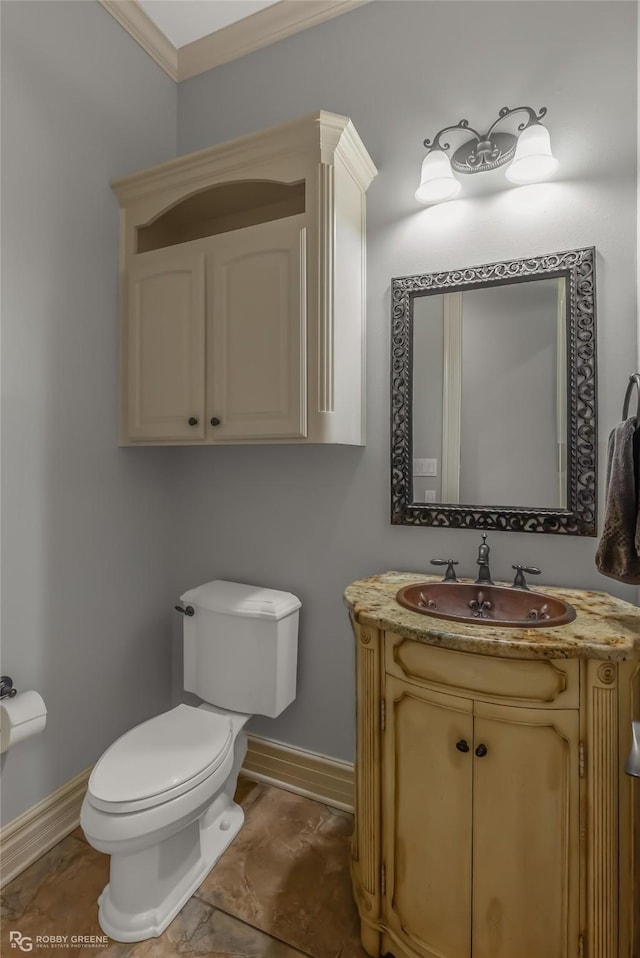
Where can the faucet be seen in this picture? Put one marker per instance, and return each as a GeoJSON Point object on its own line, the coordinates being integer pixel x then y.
{"type": "Point", "coordinates": [484, 572]}
{"type": "Point", "coordinates": [484, 578]}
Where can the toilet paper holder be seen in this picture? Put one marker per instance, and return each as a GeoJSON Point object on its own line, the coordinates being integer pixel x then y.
{"type": "Point", "coordinates": [7, 691]}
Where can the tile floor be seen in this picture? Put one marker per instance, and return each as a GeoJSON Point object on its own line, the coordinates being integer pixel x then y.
{"type": "Point", "coordinates": [281, 890]}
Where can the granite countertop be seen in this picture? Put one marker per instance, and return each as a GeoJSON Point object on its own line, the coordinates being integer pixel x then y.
{"type": "Point", "coordinates": [604, 627]}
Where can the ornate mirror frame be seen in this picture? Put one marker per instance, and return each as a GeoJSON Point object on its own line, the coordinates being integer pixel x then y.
{"type": "Point", "coordinates": [580, 516]}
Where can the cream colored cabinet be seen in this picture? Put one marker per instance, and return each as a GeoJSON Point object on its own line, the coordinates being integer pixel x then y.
{"type": "Point", "coordinates": [257, 333]}
{"type": "Point", "coordinates": [242, 290]}
{"type": "Point", "coordinates": [526, 832]}
{"type": "Point", "coordinates": [216, 338]}
{"type": "Point", "coordinates": [493, 816]}
{"type": "Point", "coordinates": [428, 815]}
{"type": "Point", "coordinates": [481, 826]}
{"type": "Point", "coordinates": [165, 373]}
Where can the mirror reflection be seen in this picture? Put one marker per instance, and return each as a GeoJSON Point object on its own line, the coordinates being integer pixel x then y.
{"type": "Point", "coordinates": [493, 396]}
{"type": "Point", "coordinates": [489, 397]}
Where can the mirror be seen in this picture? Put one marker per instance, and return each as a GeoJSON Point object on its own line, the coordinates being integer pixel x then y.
{"type": "Point", "coordinates": [493, 396]}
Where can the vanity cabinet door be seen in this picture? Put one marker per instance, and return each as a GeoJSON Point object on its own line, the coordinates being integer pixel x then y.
{"type": "Point", "coordinates": [525, 833]}
{"type": "Point", "coordinates": [428, 769]}
{"type": "Point", "coordinates": [256, 354]}
{"type": "Point", "coordinates": [163, 342]}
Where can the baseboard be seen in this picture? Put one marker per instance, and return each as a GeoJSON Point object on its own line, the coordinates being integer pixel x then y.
{"type": "Point", "coordinates": [305, 773]}
{"type": "Point", "coordinates": [28, 837]}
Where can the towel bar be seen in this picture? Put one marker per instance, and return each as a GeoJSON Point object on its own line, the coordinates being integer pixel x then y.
{"type": "Point", "coordinates": [634, 380]}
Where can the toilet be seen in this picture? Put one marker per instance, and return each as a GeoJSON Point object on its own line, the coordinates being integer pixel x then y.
{"type": "Point", "coordinates": [160, 800]}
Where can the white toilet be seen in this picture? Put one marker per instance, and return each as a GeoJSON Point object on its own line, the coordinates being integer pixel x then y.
{"type": "Point", "coordinates": [160, 800]}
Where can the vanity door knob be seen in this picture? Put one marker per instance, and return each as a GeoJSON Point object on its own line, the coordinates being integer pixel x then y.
{"type": "Point", "coordinates": [462, 746]}
{"type": "Point", "coordinates": [481, 751]}
{"type": "Point", "coordinates": [215, 421]}
{"type": "Point", "coordinates": [192, 421]}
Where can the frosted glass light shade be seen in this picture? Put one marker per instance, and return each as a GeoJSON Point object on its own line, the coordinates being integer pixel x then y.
{"type": "Point", "coordinates": [533, 160]}
{"type": "Point", "coordinates": [437, 182]}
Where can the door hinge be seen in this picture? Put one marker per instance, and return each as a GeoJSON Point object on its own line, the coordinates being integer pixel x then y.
{"type": "Point", "coordinates": [383, 714]}
{"type": "Point", "coordinates": [581, 946]}
{"type": "Point", "coordinates": [581, 759]}
{"type": "Point", "coordinates": [383, 880]}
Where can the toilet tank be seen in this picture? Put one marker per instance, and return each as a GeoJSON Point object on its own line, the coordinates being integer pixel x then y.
{"type": "Point", "coordinates": [241, 646]}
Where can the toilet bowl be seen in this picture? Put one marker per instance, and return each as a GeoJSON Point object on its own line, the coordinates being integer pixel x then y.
{"type": "Point", "coordinates": [160, 800]}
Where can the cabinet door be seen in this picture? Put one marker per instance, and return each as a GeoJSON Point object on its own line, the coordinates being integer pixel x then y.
{"type": "Point", "coordinates": [427, 820]}
{"type": "Point", "coordinates": [525, 833]}
{"type": "Point", "coordinates": [256, 378]}
{"type": "Point", "coordinates": [165, 346]}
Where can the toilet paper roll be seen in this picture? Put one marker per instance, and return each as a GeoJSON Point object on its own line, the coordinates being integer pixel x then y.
{"type": "Point", "coordinates": [21, 717]}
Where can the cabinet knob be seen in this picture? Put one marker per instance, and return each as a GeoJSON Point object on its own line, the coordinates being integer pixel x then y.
{"type": "Point", "coordinates": [192, 421]}
{"type": "Point", "coordinates": [481, 751]}
{"type": "Point", "coordinates": [215, 421]}
{"type": "Point", "coordinates": [462, 746]}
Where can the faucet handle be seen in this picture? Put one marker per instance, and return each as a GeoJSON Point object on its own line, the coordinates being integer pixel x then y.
{"type": "Point", "coordinates": [519, 581]}
{"type": "Point", "coordinates": [450, 574]}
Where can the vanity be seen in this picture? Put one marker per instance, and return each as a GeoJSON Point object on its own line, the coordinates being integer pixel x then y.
{"type": "Point", "coordinates": [493, 815]}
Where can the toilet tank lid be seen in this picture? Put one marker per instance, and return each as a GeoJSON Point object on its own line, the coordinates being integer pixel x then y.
{"type": "Point", "coordinates": [234, 598]}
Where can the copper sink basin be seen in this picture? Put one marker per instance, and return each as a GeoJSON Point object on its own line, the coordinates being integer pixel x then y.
{"type": "Point", "coordinates": [486, 605]}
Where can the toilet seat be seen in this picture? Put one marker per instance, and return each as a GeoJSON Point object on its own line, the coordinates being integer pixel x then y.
{"type": "Point", "coordinates": [160, 759]}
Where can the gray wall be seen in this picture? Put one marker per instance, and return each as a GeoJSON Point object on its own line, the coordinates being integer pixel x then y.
{"type": "Point", "coordinates": [313, 519]}
{"type": "Point", "coordinates": [85, 525]}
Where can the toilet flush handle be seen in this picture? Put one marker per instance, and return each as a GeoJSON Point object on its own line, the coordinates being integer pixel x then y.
{"type": "Point", "coordinates": [188, 611]}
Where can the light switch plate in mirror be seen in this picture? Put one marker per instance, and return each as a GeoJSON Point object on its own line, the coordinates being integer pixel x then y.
{"type": "Point", "coordinates": [572, 511]}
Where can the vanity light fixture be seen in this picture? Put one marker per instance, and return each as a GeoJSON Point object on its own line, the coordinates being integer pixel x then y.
{"type": "Point", "coordinates": [528, 149]}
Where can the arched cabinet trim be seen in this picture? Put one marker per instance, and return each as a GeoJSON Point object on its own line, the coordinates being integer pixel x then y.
{"type": "Point", "coordinates": [220, 209]}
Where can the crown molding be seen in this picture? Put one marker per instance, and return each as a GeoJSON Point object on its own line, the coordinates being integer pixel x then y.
{"type": "Point", "coordinates": [135, 21]}
{"type": "Point", "coordinates": [259, 30]}
{"type": "Point", "coordinates": [339, 138]}
{"type": "Point", "coordinates": [322, 135]}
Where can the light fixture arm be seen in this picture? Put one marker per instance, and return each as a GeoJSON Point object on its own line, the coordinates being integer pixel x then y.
{"type": "Point", "coordinates": [506, 112]}
{"type": "Point", "coordinates": [462, 125]}
{"type": "Point", "coordinates": [488, 151]}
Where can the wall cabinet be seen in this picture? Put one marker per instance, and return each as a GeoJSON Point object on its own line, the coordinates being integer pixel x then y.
{"type": "Point", "coordinates": [491, 804]}
{"type": "Point", "coordinates": [242, 290]}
